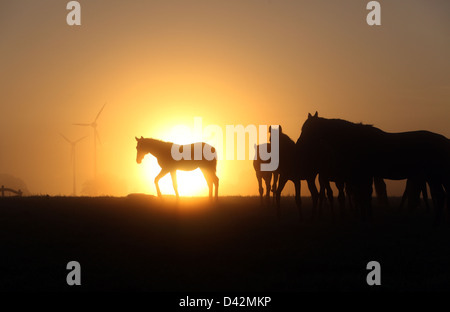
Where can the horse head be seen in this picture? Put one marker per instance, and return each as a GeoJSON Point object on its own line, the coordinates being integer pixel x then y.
{"type": "Point", "coordinates": [275, 131]}
{"type": "Point", "coordinates": [309, 129]}
{"type": "Point", "coordinates": [306, 147]}
{"type": "Point", "coordinates": [139, 148]}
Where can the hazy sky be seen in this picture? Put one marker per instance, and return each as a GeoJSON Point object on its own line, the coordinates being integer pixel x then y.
{"type": "Point", "coordinates": [158, 64]}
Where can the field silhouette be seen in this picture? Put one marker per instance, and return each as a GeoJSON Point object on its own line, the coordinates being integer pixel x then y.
{"type": "Point", "coordinates": [141, 242]}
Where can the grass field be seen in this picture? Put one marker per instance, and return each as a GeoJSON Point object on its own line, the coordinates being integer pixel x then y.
{"type": "Point", "coordinates": [142, 243]}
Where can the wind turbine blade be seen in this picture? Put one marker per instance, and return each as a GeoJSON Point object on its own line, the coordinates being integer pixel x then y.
{"type": "Point", "coordinates": [82, 124]}
{"type": "Point", "coordinates": [80, 139]}
{"type": "Point", "coordinates": [99, 112]}
{"type": "Point", "coordinates": [65, 138]}
{"type": "Point", "coordinates": [97, 136]}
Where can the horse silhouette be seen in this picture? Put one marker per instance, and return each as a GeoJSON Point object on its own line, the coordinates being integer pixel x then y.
{"type": "Point", "coordinates": [163, 153]}
{"type": "Point", "coordinates": [264, 175]}
{"type": "Point", "coordinates": [290, 170]}
{"type": "Point", "coordinates": [362, 152]}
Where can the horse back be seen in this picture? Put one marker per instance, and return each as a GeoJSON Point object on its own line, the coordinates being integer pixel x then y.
{"type": "Point", "coordinates": [196, 155]}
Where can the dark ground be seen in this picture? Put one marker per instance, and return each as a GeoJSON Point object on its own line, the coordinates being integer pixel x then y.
{"type": "Point", "coordinates": [141, 243]}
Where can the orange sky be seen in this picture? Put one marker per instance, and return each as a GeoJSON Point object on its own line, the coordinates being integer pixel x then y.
{"type": "Point", "coordinates": [159, 64]}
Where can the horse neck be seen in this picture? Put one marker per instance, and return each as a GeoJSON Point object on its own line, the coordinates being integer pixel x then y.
{"type": "Point", "coordinates": [157, 148]}
{"type": "Point", "coordinates": [286, 143]}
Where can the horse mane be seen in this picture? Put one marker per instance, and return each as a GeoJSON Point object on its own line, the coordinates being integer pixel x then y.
{"type": "Point", "coordinates": [346, 127]}
{"type": "Point", "coordinates": [285, 139]}
{"type": "Point", "coordinates": [156, 144]}
{"type": "Point", "coordinates": [155, 141]}
{"type": "Point", "coordinates": [349, 123]}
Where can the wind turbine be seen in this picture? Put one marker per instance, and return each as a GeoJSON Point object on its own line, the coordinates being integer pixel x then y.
{"type": "Point", "coordinates": [96, 137]}
{"type": "Point", "coordinates": [72, 159]}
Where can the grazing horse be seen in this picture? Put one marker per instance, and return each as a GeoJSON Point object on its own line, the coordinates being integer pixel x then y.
{"type": "Point", "coordinates": [362, 152]}
{"type": "Point", "coordinates": [289, 169]}
{"type": "Point", "coordinates": [264, 175]}
{"type": "Point", "coordinates": [163, 153]}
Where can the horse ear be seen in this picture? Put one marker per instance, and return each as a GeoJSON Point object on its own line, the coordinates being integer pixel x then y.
{"type": "Point", "coordinates": [316, 114]}
{"type": "Point", "coordinates": [136, 138]}
{"type": "Point", "coordinates": [309, 115]}
{"type": "Point", "coordinates": [142, 137]}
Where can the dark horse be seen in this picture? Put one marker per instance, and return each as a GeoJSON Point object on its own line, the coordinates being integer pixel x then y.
{"type": "Point", "coordinates": [264, 175]}
{"type": "Point", "coordinates": [163, 153]}
{"type": "Point", "coordinates": [290, 169]}
{"type": "Point", "coordinates": [362, 152]}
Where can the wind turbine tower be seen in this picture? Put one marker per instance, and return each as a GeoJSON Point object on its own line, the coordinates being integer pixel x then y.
{"type": "Point", "coordinates": [72, 159]}
{"type": "Point", "coordinates": [96, 137]}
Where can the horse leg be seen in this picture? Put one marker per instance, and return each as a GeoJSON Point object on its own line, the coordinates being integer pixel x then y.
{"type": "Point", "coordinates": [260, 188]}
{"type": "Point", "coordinates": [321, 194]}
{"type": "Point", "coordinates": [210, 187]}
{"type": "Point", "coordinates": [413, 194]}
{"type": "Point", "coordinates": [275, 181]}
{"type": "Point", "coordinates": [267, 181]}
{"type": "Point", "coordinates": [330, 197]}
{"type": "Point", "coordinates": [274, 185]}
{"type": "Point", "coordinates": [215, 179]}
{"type": "Point", "coordinates": [298, 199]}
{"type": "Point", "coordinates": [362, 189]}
{"type": "Point", "coordinates": [425, 195]}
{"type": "Point", "coordinates": [447, 193]}
{"type": "Point", "coordinates": [367, 195]}
{"type": "Point", "coordinates": [341, 197]}
{"type": "Point", "coordinates": [438, 196]}
{"type": "Point", "coordinates": [209, 181]}
{"type": "Point", "coordinates": [281, 184]}
{"type": "Point", "coordinates": [350, 197]}
{"type": "Point", "coordinates": [161, 174]}
{"type": "Point", "coordinates": [380, 189]}
{"type": "Point", "coordinates": [314, 194]}
{"type": "Point", "coordinates": [173, 174]}
{"type": "Point", "coordinates": [405, 195]}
